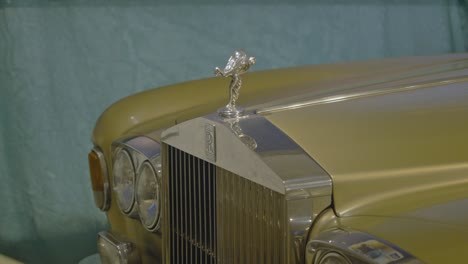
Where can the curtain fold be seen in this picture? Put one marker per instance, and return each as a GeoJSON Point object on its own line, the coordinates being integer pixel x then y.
{"type": "Point", "coordinates": [462, 6]}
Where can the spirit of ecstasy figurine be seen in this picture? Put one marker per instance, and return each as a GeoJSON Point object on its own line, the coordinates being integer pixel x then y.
{"type": "Point", "coordinates": [237, 64]}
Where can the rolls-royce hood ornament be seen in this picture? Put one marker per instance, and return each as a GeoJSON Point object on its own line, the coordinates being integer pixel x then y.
{"type": "Point", "coordinates": [237, 64]}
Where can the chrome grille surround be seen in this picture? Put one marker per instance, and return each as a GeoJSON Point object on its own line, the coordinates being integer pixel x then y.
{"type": "Point", "coordinates": [251, 154]}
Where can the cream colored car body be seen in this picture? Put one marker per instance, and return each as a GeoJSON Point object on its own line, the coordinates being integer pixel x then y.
{"type": "Point", "coordinates": [392, 134]}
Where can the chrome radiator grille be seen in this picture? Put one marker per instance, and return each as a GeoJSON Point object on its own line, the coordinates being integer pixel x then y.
{"type": "Point", "coordinates": [192, 212]}
{"type": "Point", "coordinates": [250, 221]}
{"type": "Point", "coordinates": [215, 216]}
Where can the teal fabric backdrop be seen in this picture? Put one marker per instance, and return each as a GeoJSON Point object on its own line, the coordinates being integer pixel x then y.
{"type": "Point", "coordinates": [63, 62]}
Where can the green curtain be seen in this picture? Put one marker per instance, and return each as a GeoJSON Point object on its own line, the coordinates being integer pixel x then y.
{"type": "Point", "coordinates": [63, 62]}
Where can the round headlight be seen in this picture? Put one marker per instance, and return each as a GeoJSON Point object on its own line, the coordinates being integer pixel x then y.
{"type": "Point", "coordinates": [333, 258]}
{"type": "Point", "coordinates": [148, 195]}
{"type": "Point", "coordinates": [124, 180]}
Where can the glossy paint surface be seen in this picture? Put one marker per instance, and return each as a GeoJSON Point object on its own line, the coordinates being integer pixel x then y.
{"type": "Point", "coordinates": [391, 134]}
{"type": "Point", "coordinates": [398, 160]}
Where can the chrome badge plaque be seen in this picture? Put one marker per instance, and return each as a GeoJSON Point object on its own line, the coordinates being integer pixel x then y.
{"type": "Point", "coordinates": [210, 142]}
{"type": "Point", "coordinates": [237, 64]}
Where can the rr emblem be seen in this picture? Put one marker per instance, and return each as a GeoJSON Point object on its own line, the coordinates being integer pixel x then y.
{"type": "Point", "coordinates": [210, 142]}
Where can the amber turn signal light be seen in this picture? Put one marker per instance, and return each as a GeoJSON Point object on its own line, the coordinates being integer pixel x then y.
{"type": "Point", "coordinates": [99, 178]}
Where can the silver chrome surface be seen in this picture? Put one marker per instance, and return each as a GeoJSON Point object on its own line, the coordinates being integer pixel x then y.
{"type": "Point", "coordinates": [210, 142]}
{"type": "Point", "coordinates": [123, 181]}
{"type": "Point", "coordinates": [106, 199]}
{"type": "Point", "coordinates": [189, 222]}
{"type": "Point", "coordinates": [140, 149]}
{"type": "Point", "coordinates": [356, 247]}
{"type": "Point", "coordinates": [276, 163]}
{"type": "Point", "coordinates": [237, 130]}
{"type": "Point", "coordinates": [251, 221]}
{"type": "Point", "coordinates": [125, 249]}
{"type": "Point", "coordinates": [155, 167]}
{"type": "Point", "coordinates": [334, 258]}
{"type": "Point", "coordinates": [237, 64]}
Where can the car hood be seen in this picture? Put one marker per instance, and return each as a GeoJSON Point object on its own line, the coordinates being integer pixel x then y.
{"type": "Point", "coordinates": [387, 131]}
{"type": "Point", "coordinates": [393, 141]}
{"type": "Point", "coordinates": [379, 128]}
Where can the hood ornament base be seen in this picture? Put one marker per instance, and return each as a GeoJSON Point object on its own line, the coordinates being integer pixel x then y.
{"type": "Point", "coordinates": [237, 64]}
{"type": "Point", "coordinates": [231, 112]}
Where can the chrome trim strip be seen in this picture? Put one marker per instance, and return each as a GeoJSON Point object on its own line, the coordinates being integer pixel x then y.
{"type": "Point", "coordinates": [268, 157]}
{"type": "Point", "coordinates": [351, 96]}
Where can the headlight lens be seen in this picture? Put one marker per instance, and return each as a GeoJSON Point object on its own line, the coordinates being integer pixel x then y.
{"type": "Point", "coordinates": [148, 194]}
{"type": "Point", "coordinates": [124, 180]}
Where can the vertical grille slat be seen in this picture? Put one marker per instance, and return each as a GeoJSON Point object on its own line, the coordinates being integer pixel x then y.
{"type": "Point", "coordinates": [191, 205]}
{"type": "Point", "coordinates": [203, 210]}
{"type": "Point", "coordinates": [217, 217]}
{"type": "Point", "coordinates": [249, 224]}
{"type": "Point", "coordinates": [199, 231]}
{"type": "Point", "coordinates": [184, 206]}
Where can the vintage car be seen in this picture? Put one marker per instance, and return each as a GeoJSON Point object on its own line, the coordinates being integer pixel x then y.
{"type": "Point", "coordinates": [362, 162]}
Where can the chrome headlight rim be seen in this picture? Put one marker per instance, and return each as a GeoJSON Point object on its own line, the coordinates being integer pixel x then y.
{"type": "Point", "coordinates": [354, 247]}
{"type": "Point", "coordinates": [140, 149]}
{"type": "Point", "coordinates": [335, 255]}
{"type": "Point", "coordinates": [154, 224]}
{"type": "Point", "coordinates": [129, 209]}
